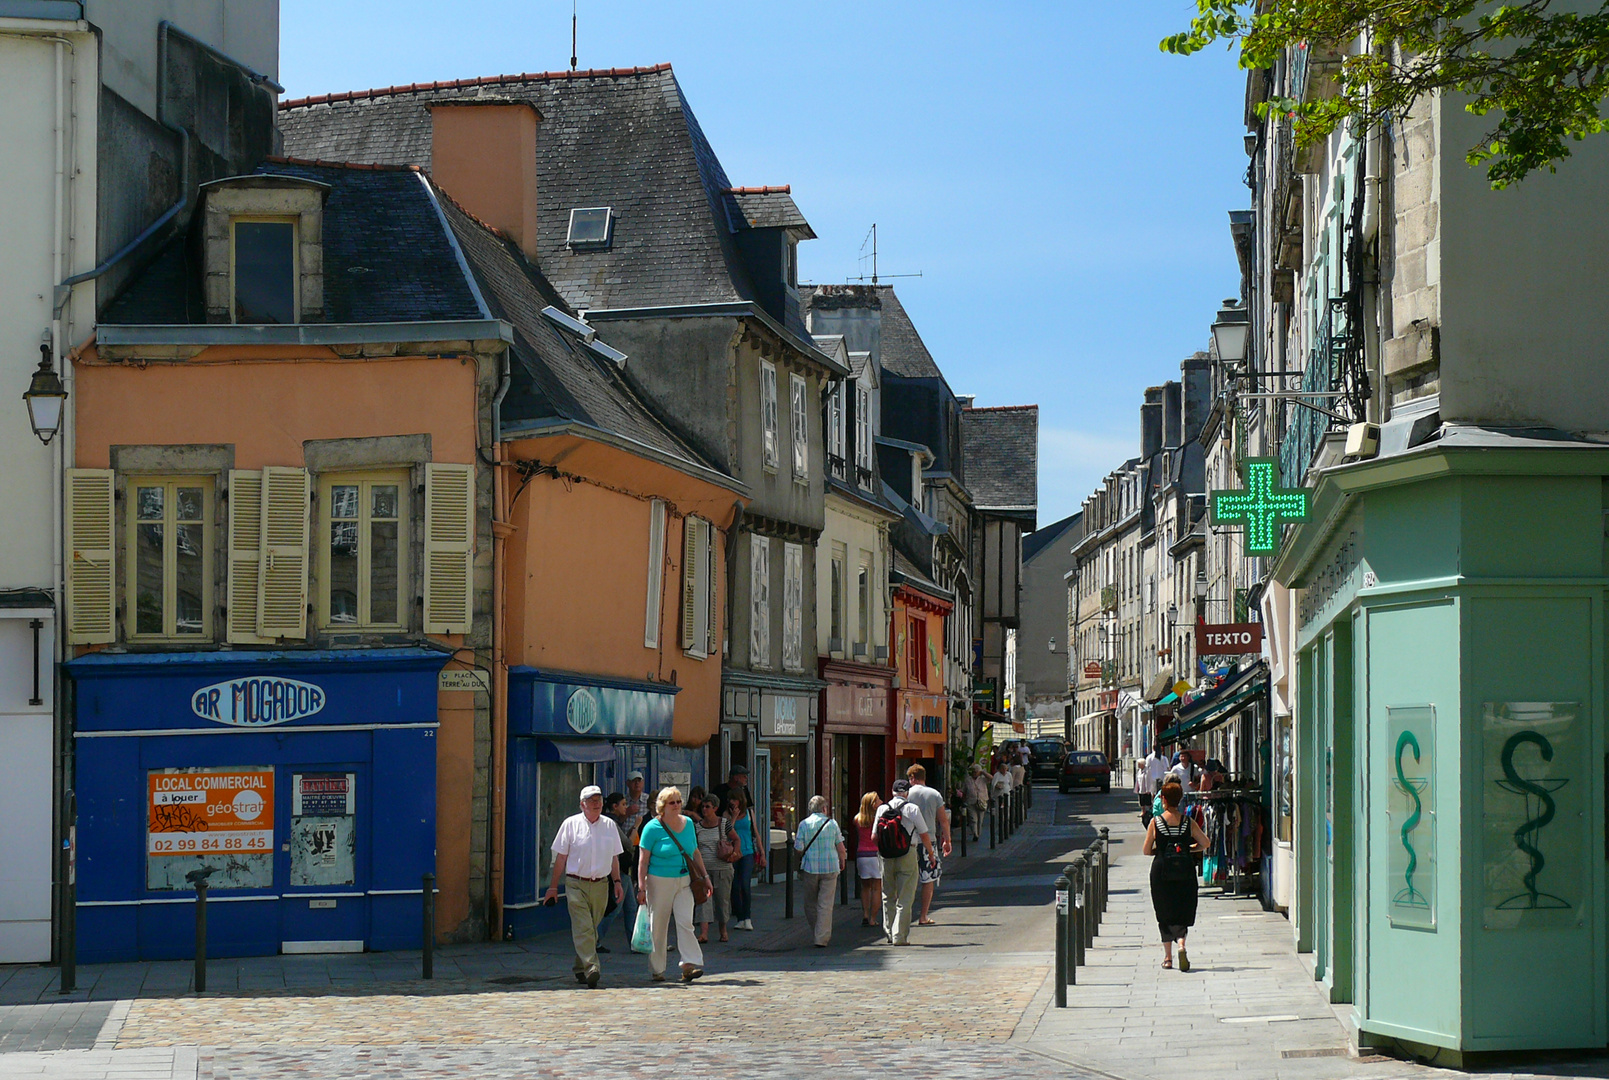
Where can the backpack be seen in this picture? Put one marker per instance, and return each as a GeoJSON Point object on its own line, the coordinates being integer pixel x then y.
{"type": "Point", "coordinates": [893, 840]}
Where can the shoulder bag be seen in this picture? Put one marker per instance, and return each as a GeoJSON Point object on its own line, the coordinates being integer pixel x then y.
{"type": "Point", "coordinates": [728, 851]}
{"type": "Point", "coordinates": [825, 821]}
{"type": "Point", "coordinates": [699, 880]}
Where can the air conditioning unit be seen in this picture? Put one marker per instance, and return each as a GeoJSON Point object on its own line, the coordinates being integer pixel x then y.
{"type": "Point", "coordinates": [1362, 440]}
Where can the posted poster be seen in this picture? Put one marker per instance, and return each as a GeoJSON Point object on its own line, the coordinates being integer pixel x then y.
{"type": "Point", "coordinates": [222, 818]}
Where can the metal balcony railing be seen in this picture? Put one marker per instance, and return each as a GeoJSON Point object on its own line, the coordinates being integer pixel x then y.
{"type": "Point", "coordinates": [1306, 427]}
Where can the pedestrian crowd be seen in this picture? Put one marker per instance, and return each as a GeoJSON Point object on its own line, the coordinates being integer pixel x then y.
{"type": "Point", "coordinates": [688, 861]}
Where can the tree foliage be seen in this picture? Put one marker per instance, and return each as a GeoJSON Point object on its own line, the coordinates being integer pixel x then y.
{"type": "Point", "coordinates": [1541, 73]}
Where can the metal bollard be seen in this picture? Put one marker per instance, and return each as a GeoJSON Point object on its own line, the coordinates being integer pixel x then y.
{"type": "Point", "coordinates": [961, 816]}
{"type": "Point", "coordinates": [201, 936]}
{"type": "Point", "coordinates": [787, 884]}
{"type": "Point", "coordinates": [1063, 887]}
{"type": "Point", "coordinates": [427, 929]}
{"type": "Point", "coordinates": [1090, 862]}
{"type": "Point", "coordinates": [69, 893]}
{"type": "Point", "coordinates": [992, 815]}
{"type": "Point", "coordinates": [1106, 865]}
{"type": "Point", "coordinates": [1077, 873]}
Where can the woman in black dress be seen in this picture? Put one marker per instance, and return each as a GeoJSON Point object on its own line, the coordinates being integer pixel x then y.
{"type": "Point", "coordinates": [1175, 841]}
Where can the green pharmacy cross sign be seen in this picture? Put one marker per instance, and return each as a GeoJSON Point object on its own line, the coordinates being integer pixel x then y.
{"type": "Point", "coordinates": [1263, 507]}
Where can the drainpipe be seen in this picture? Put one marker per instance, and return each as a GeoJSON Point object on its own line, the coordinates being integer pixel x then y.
{"type": "Point", "coordinates": [496, 818]}
{"type": "Point", "coordinates": [1370, 228]}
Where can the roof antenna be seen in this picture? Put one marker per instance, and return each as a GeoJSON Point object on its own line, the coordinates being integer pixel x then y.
{"type": "Point", "coordinates": [572, 34]}
{"type": "Point", "coordinates": [871, 238]}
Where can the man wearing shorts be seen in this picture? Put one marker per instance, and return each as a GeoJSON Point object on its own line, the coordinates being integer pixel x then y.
{"type": "Point", "coordinates": [936, 821]}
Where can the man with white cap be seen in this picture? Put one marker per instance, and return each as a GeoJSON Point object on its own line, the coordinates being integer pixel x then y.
{"type": "Point", "coordinates": [586, 856]}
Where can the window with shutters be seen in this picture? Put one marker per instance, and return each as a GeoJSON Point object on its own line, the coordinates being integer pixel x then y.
{"type": "Point", "coordinates": [916, 651]}
{"type": "Point", "coordinates": [768, 415]}
{"type": "Point", "coordinates": [799, 413]}
{"type": "Point", "coordinates": [656, 573]}
{"type": "Point", "coordinates": [837, 432]}
{"type": "Point", "coordinates": [863, 435]}
{"type": "Point", "coordinates": [759, 601]}
{"type": "Point", "coordinates": [170, 538]}
{"type": "Point", "coordinates": [837, 583]}
{"type": "Point", "coordinates": [793, 607]}
{"type": "Point", "coordinates": [698, 583]}
{"type": "Point", "coordinates": [863, 602]}
{"type": "Point", "coordinates": [363, 544]}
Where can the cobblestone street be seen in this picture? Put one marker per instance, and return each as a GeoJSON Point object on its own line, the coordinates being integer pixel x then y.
{"type": "Point", "coordinates": [972, 997]}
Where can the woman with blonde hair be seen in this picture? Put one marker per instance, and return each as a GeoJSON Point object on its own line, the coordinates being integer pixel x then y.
{"type": "Point", "coordinates": [668, 854]}
{"type": "Point", "coordinates": [1174, 839]}
{"type": "Point", "coordinates": [868, 864]}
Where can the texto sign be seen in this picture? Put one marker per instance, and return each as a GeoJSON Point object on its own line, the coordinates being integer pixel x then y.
{"type": "Point", "coordinates": [1227, 639]}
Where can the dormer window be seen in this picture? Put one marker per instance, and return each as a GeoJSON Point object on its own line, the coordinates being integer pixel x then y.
{"type": "Point", "coordinates": [790, 264]}
{"type": "Point", "coordinates": [263, 270]}
{"type": "Point", "coordinates": [590, 227]}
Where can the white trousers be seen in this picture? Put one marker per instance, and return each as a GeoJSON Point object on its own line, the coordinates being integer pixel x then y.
{"type": "Point", "coordinates": [672, 897]}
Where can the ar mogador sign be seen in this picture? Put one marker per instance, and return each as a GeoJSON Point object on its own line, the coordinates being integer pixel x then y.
{"type": "Point", "coordinates": [1226, 639]}
{"type": "Point", "coordinates": [257, 702]}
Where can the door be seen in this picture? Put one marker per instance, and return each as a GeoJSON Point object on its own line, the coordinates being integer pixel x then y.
{"type": "Point", "coordinates": [322, 863]}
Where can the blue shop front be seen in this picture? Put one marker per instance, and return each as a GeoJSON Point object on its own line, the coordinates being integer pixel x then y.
{"type": "Point", "coordinates": [270, 771]}
{"type": "Point", "coordinates": [565, 731]}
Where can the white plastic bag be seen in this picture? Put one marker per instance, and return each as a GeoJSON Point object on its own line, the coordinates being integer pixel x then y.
{"type": "Point", "coordinates": [642, 935]}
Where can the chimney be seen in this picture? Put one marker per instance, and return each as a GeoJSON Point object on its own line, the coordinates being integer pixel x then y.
{"type": "Point", "coordinates": [1172, 416]}
{"type": "Point", "coordinates": [483, 154]}
{"type": "Point", "coordinates": [1151, 423]}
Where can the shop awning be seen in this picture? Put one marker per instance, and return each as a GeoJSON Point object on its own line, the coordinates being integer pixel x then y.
{"type": "Point", "coordinates": [1221, 705]}
{"type": "Point", "coordinates": [581, 750]}
{"type": "Point", "coordinates": [1159, 686]}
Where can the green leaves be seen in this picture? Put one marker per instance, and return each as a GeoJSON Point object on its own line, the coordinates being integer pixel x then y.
{"type": "Point", "coordinates": [1543, 73]}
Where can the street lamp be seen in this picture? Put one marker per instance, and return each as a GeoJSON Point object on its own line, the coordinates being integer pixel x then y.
{"type": "Point", "coordinates": [1173, 621]}
{"type": "Point", "coordinates": [45, 397]}
{"type": "Point", "coordinates": [1230, 331]}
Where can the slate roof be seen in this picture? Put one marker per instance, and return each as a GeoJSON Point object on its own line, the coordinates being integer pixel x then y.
{"type": "Point", "coordinates": [623, 138]}
{"type": "Point", "coordinates": [1002, 455]}
{"type": "Point", "coordinates": [554, 376]}
{"type": "Point", "coordinates": [765, 208]}
{"type": "Point", "coordinates": [1040, 539]}
{"type": "Point", "coordinates": [903, 351]}
{"type": "Point", "coordinates": [386, 257]}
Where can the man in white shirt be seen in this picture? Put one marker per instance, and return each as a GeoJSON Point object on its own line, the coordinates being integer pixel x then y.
{"type": "Point", "coordinates": [1153, 769]}
{"type": "Point", "coordinates": [900, 874]}
{"type": "Point", "coordinates": [936, 821]}
{"type": "Point", "coordinates": [586, 856]}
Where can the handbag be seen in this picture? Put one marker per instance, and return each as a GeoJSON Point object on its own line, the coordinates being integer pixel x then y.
{"type": "Point", "coordinates": [728, 851]}
{"type": "Point", "coordinates": [697, 878]}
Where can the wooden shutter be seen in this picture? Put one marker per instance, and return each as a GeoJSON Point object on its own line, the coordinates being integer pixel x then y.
{"type": "Point", "coordinates": [712, 594]}
{"type": "Point", "coordinates": [449, 548]}
{"type": "Point", "coordinates": [245, 555]}
{"type": "Point", "coordinates": [689, 581]}
{"type": "Point", "coordinates": [656, 573]}
{"type": "Point", "coordinates": [91, 584]}
{"type": "Point", "coordinates": [282, 566]}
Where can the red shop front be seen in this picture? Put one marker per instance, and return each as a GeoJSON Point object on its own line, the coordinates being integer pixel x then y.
{"type": "Point", "coordinates": [855, 741]}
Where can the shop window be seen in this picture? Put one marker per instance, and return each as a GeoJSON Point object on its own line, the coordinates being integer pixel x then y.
{"type": "Point", "coordinates": [170, 538]}
{"type": "Point", "coordinates": [263, 270]}
{"type": "Point", "coordinates": [364, 550]}
{"type": "Point", "coordinates": [784, 786]}
{"type": "Point", "coordinates": [768, 415]}
{"type": "Point", "coordinates": [793, 607]}
{"type": "Point", "coordinates": [222, 817]}
{"type": "Point", "coordinates": [558, 795]}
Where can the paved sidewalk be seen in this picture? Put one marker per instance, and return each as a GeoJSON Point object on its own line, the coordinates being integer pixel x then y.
{"type": "Point", "coordinates": [1248, 1007]}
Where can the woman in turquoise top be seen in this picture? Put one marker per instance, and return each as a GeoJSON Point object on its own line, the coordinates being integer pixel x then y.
{"type": "Point", "coordinates": [739, 815]}
{"type": "Point", "coordinates": [666, 847]}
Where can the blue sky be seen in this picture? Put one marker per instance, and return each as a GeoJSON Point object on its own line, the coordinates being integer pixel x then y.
{"type": "Point", "coordinates": [1062, 185]}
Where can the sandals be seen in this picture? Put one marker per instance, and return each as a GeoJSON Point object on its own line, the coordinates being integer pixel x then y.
{"type": "Point", "coordinates": [1184, 959]}
{"type": "Point", "coordinates": [704, 941]}
{"type": "Point", "coordinates": [691, 972]}
{"type": "Point", "coordinates": [1167, 963]}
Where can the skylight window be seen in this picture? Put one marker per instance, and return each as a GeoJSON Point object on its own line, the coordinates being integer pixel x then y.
{"type": "Point", "coordinates": [590, 227]}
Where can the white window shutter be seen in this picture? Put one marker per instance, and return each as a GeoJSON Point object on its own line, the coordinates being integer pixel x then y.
{"type": "Point", "coordinates": [449, 548]}
{"type": "Point", "coordinates": [711, 593]}
{"type": "Point", "coordinates": [689, 581]}
{"type": "Point", "coordinates": [759, 601]}
{"type": "Point", "coordinates": [91, 583]}
{"type": "Point", "coordinates": [656, 573]}
{"type": "Point", "coordinates": [282, 566]}
{"type": "Point", "coordinates": [245, 554]}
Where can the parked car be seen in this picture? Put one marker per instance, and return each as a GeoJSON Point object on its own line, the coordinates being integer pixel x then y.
{"type": "Point", "coordinates": [1085, 768]}
{"type": "Point", "coordinates": [1045, 758]}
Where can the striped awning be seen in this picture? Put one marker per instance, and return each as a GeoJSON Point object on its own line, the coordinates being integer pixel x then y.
{"type": "Point", "coordinates": [1239, 691]}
